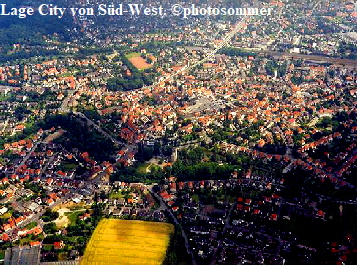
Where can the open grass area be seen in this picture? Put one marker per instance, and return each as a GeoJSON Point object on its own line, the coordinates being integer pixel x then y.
{"type": "Point", "coordinates": [138, 61]}
{"type": "Point", "coordinates": [68, 166]}
{"type": "Point", "coordinates": [132, 55]}
{"type": "Point", "coordinates": [195, 198]}
{"type": "Point", "coordinates": [116, 195]}
{"type": "Point", "coordinates": [143, 168]}
{"type": "Point", "coordinates": [73, 216]}
{"type": "Point", "coordinates": [47, 247]}
{"type": "Point", "coordinates": [31, 225]}
{"type": "Point", "coordinates": [147, 168]}
{"type": "Point", "coordinates": [128, 242]}
{"type": "Point", "coordinates": [5, 215]}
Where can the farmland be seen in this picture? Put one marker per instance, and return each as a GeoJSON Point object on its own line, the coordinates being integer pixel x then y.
{"type": "Point", "coordinates": [138, 61]}
{"type": "Point", "coordinates": [128, 242]}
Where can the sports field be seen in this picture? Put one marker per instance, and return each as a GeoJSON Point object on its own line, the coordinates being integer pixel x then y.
{"type": "Point", "coordinates": [138, 61]}
{"type": "Point", "coordinates": [128, 242]}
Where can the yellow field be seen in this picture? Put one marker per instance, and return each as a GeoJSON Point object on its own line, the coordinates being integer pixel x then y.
{"type": "Point", "coordinates": [128, 242]}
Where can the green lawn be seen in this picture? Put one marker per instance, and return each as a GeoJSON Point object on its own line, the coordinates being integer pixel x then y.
{"type": "Point", "coordinates": [195, 198]}
{"type": "Point", "coordinates": [142, 169]}
{"type": "Point", "coordinates": [73, 216]}
{"type": "Point", "coordinates": [31, 225]}
{"type": "Point", "coordinates": [4, 98]}
{"type": "Point", "coordinates": [147, 168]}
{"type": "Point", "coordinates": [67, 74]}
{"type": "Point", "coordinates": [68, 166]}
{"type": "Point", "coordinates": [47, 247]}
{"type": "Point", "coordinates": [116, 195]}
{"type": "Point", "coordinates": [132, 54]}
{"type": "Point", "coordinates": [27, 239]}
{"type": "Point", "coordinates": [24, 241]}
{"type": "Point", "coordinates": [5, 215]}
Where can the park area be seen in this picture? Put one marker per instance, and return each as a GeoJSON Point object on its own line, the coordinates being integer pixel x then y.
{"type": "Point", "coordinates": [128, 242]}
{"type": "Point", "coordinates": [68, 213]}
{"type": "Point", "coordinates": [138, 61]}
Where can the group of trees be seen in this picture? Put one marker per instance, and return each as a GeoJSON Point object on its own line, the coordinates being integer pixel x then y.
{"type": "Point", "coordinates": [21, 55]}
{"type": "Point", "coordinates": [21, 112]}
{"type": "Point", "coordinates": [130, 174]}
{"type": "Point", "coordinates": [236, 52]}
{"type": "Point", "coordinates": [92, 51]}
{"type": "Point", "coordinates": [193, 164]}
{"type": "Point", "coordinates": [135, 80]}
{"type": "Point", "coordinates": [31, 29]}
{"type": "Point", "coordinates": [38, 191]}
{"type": "Point", "coordinates": [199, 171]}
{"type": "Point", "coordinates": [272, 66]}
{"type": "Point", "coordinates": [176, 253]}
{"type": "Point", "coordinates": [145, 153]}
{"type": "Point", "coordinates": [80, 135]}
{"type": "Point", "coordinates": [348, 47]}
{"type": "Point", "coordinates": [76, 237]}
{"type": "Point", "coordinates": [49, 215]}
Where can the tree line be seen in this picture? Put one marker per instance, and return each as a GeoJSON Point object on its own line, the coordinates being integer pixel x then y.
{"type": "Point", "coordinates": [136, 79]}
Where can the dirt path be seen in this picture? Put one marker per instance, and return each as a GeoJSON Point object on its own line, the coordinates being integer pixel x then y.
{"type": "Point", "coordinates": [62, 220]}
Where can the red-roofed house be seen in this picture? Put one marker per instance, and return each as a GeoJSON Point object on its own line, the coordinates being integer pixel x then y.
{"type": "Point", "coordinates": [273, 217]}
{"type": "Point", "coordinates": [35, 243]}
{"type": "Point", "coordinates": [5, 237]}
{"type": "Point", "coordinates": [58, 245]}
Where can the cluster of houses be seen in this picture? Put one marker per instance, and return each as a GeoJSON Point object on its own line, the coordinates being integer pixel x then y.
{"type": "Point", "coordinates": [241, 89]}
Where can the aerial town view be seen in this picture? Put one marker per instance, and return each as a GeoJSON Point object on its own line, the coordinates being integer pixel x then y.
{"type": "Point", "coordinates": [185, 132]}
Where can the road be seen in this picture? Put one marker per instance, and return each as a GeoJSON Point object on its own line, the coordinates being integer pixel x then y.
{"type": "Point", "coordinates": [24, 160]}
{"type": "Point", "coordinates": [291, 165]}
{"type": "Point", "coordinates": [207, 56]}
{"type": "Point", "coordinates": [239, 26]}
{"type": "Point", "coordinates": [64, 106]}
{"type": "Point", "coordinates": [164, 207]}
{"type": "Point", "coordinates": [35, 217]}
{"type": "Point", "coordinates": [318, 58]}
{"type": "Point", "coordinates": [226, 226]}
{"type": "Point", "coordinates": [49, 162]}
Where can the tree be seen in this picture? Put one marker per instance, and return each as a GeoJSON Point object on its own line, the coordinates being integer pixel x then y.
{"type": "Point", "coordinates": [236, 52]}
{"type": "Point", "coordinates": [50, 228]}
{"type": "Point", "coordinates": [20, 112]}
{"type": "Point", "coordinates": [49, 215]}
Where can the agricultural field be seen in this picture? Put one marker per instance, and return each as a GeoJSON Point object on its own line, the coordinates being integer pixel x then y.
{"type": "Point", "coordinates": [128, 242]}
{"type": "Point", "coordinates": [138, 61]}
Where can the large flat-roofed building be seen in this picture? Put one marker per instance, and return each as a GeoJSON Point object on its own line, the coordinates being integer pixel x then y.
{"type": "Point", "coordinates": [22, 256]}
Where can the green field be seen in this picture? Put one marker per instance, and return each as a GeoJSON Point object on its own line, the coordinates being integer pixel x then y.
{"type": "Point", "coordinates": [116, 195]}
{"type": "Point", "coordinates": [132, 55]}
{"type": "Point", "coordinates": [73, 216]}
{"type": "Point", "coordinates": [147, 168]}
{"type": "Point", "coordinates": [143, 168]}
{"type": "Point", "coordinates": [67, 166]}
{"type": "Point", "coordinates": [6, 215]}
{"type": "Point", "coordinates": [128, 242]}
